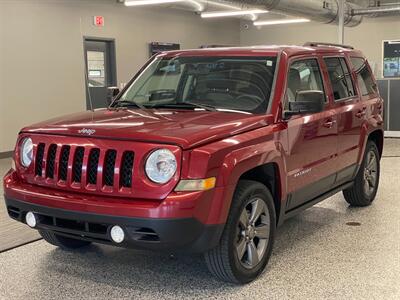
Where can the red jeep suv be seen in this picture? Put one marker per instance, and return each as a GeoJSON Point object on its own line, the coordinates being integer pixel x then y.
{"type": "Point", "coordinates": [205, 151]}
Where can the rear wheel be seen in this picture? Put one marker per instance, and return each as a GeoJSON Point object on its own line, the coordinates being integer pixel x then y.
{"type": "Point", "coordinates": [61, 241]}
{"type": "Point", "coordinates": [247, 240]}
{"type": "Point", "coordinates": [366, 183]}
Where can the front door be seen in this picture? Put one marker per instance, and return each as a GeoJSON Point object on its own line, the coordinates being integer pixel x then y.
{"type": "Point", "coordinates": [312, 139]}
{"type": "Point", "coordinates": [100, 71]}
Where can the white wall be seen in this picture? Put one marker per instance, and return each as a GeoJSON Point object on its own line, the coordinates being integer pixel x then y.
{"type": "Point", "coordinates": [367, 36]}
{"type": "Point", "coordinates": [41, 51]}
{"type": "Point", "coordinates": [41, 48]}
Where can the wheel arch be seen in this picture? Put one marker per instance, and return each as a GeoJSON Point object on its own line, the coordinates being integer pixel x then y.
{"type": "Point", "coordinates": [376, 136]}
{"type": "Point", "coordinates": [269, 175]}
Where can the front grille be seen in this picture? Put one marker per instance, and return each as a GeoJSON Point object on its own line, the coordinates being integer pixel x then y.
{"type": "Point", "coordinates": [78, 162]}
{"type": "Point", "coordinates": [93, 165]}
{"type": "Point", "coordinates": [109, 166]}
{"type": "Point", "coordinates": [126, 169]}
{"type": "Point", "coordinates": [39, 159]}
{"type": "Point", "coordinates": [64, 162]}
{"type": "Point", "coordinates": [84, 167]}
{"type": "Point", "coordinates": [51, 156]}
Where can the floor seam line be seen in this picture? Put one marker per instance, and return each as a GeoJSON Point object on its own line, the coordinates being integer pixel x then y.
{"type": "Point", "coordinates": [17, 246]}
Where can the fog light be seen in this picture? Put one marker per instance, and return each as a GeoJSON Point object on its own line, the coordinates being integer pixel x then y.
{"type": "Point", "coordinates": [30, 219]}
{"type": "Point", "coordinates": [117, 234]}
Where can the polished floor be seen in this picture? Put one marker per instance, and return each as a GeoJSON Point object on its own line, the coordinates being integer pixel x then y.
{"type": "Point", "coordinates": [12, 233]}
{"type": "Point", "coordinates": [317, 255]}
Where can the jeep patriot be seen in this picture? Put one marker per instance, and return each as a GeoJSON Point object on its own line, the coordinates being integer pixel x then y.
{"type": "Point", "coordinates": [205, 151]}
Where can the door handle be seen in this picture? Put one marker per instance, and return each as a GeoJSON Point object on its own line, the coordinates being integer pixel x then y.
{"type": "Point", "coordinates": [361, 113]}
{"type": "Point", "coordinates": [329, 123]}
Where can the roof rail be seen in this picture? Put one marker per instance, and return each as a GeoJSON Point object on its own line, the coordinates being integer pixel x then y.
{"type": "Point", "coordinates": [318, 44]}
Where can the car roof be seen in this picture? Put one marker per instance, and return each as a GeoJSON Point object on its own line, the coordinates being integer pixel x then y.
{"type": "Point", "coordinates": [267, 50]}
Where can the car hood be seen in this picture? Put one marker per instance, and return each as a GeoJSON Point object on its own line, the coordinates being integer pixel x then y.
{"type": "Point", "coordinates": [186, 128]}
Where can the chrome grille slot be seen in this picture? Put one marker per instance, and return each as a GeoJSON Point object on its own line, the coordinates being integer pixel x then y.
{"type": "Point", "coordinates": [93, 165]}
{"type": "Point", "coordinates": [51, 156]}
{"type": "Point", "coordinates": [77, 164]}
{"type": "Point", "coordinates": [109, 168]}
{"type": "Point", "coordinates": [39, 160]}
{"type": "Point", "coordinates": [126, 169]}
{"type": "Point", "coordinates": [63, 172]}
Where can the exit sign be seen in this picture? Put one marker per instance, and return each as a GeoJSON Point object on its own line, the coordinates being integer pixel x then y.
{"type": "Point", "coordinates": [98, 21]}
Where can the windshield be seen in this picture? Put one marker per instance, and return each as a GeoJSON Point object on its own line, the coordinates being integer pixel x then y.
{"type": "Point", "coordinates": [215, 83]}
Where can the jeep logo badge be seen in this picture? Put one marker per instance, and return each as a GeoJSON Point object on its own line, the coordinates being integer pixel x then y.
{"type": "Point", "coordinates": [86, 131]}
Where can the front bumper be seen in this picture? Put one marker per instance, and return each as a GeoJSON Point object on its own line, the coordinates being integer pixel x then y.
{"type": "Point", "coordinates": [185, 222]}
{"type": "Point", "coordinates": [181, 235]}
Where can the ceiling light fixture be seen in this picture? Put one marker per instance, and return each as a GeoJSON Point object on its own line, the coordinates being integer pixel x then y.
{"type": "Point", "coordinates": [279, 22]}
{"type": "Point", "coordinates": [149, 2]}
{"type": "Point", "coordinates": [218, 14]}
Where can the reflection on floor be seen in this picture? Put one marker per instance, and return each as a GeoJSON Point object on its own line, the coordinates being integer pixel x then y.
{"type": "Point", "coordinates": [316, 256]}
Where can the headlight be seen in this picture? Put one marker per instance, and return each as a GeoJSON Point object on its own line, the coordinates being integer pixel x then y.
{"type": "Point", "coordinates": [161, 166]}
{"type": "Point", "coordinates": [26, 152]}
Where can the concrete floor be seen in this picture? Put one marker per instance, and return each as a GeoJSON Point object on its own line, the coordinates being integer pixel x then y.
{"type": "Point", "coordinates": [316, 256]}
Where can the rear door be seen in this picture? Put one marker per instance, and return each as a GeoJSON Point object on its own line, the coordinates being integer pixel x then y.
{"type": "Point", "coordinates": [350, 113]}
{"type": "Point", "coordinates": [371, 101]}
{"type": "Point", "coordinates": [312, 139]}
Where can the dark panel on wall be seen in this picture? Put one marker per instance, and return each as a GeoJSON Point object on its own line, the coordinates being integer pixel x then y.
{"type": "Point", "coordinates": [156, 47]}
{"type": "Point", "coordinates": [384, 91]}
{"type": "Point", "coordinates": [394, 120]}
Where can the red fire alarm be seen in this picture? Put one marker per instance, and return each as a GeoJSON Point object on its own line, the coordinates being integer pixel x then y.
{"type": "Point", "coordinates": [98, 21]}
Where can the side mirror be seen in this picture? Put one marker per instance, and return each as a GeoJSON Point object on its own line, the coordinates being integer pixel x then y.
{"type": "Point", "coordinates": [112, 92]}
{"type": "Point", "coordinates": [307, 102]}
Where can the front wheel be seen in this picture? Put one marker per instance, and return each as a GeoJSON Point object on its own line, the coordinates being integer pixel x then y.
{"type": "Point", "coordinates": [247, 240]}
{"type": "Point", "coordinates": [366, 183]}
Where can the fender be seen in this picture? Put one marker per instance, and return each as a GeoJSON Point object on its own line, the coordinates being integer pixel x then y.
{"type": "Point", "coordinates": [228, 159]}
{"type": "Point", "coordinates": [239, 162]}
{"type": "Point", "coordinates": [367, 129]}
{"type": "Point", "coordinates": [363, 143]}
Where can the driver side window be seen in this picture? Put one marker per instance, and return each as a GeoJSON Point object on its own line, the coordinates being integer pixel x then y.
{"type": "Point", "coordinates": [304, 75]}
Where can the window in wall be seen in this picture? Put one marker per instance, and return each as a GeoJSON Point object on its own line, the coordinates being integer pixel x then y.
{"type": "Point", "coordinates": [364, 76]}
{"type": "Point", "coordinates": [391, 59]}
{"type": "Point", "coordinates": [95, 64]}
{"type": "Point", "coordinates": [340, 78]}
{"type": "Point", "coordinates": [303, 75]}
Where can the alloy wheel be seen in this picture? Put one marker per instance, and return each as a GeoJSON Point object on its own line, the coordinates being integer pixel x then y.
{"type": "Point", "coordinates": [370, 173]}
{"type": "Point", "coordinates": [253, 232]}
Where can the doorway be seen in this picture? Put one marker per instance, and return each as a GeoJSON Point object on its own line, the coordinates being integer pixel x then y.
{"type": "Point", "coordinates": [100, 71]}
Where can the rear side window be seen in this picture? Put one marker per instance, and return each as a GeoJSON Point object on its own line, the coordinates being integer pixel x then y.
{"type": "Point", "coordinates": [340, 78]}
{"type": "Point", "coordinates": [364, 77]}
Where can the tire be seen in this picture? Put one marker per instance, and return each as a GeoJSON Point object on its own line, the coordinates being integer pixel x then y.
{"type": "Point", "coordinates": [224, 261]}
{"type": "Point", "coordinates": [61, 241]}
{"type": "Point", "coordinates": [368, 174]}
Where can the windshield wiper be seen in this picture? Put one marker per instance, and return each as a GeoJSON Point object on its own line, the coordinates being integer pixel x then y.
{"type": "Point", "coordinates": [126, 103]}
{"type": "Point", "coordinates": [184, 105]}
{"type": "Point", "coordinates": [202, 106]}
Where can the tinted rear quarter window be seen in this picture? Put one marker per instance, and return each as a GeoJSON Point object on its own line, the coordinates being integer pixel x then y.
{"type": "Point", "coordinates": [364, 76]}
